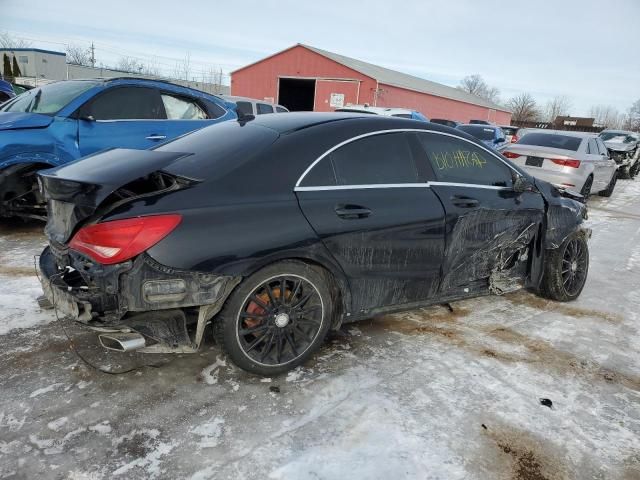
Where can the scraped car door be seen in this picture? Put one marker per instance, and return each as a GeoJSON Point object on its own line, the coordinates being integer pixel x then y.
{"type": "Point", "coordinates": [488, 224]}
{"type": "Point", "coordinates": [381, 222]}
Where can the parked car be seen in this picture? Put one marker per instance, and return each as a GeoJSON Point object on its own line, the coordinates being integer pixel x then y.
{"type": "Point", "coordinates": [367, 214]}
{"type": "Point", "coordinates": [624, 148]}
{"type": "Point", "coordinates": [573, 160]}
{"type": "Point", "coordinates": [250, 106]}
{"type": "Point", "coordinates": [510, 133]}
{"type": "Point", "coordinates": [479, 122]}
{"type": "Point", "coordinates": [6, 91]}
{"type": "Point", "coordinates": [63, 121]}
{"type": "Point", "coordinates": [448, 123]}
{"type": "Point", "coordinates": [490, 135]}
{"type": "Point", "coordinates": [384, 111]}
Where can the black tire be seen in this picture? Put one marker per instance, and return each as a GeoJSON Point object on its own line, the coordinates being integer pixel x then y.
{"type": "Point", "coordinates": [612, 184]}
{"type": "Point", "coordinates": [625, 172]}
{"type": "Point", "coordinates": [586, 188]}
{"type": "Point", "coordinates": [635, 169]}
{"type": "Point", "coordinates": [566, 269]}
{"type": "Point", "coordinates": [266, 333]}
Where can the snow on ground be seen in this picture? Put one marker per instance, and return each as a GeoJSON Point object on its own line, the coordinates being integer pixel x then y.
{"type": "Point", "coordinates": [511, 387]}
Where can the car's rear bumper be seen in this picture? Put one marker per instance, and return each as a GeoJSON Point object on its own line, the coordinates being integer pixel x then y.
{"type": "Point", "coordinates": [574, 181]}
{"type": "Point", "coordinates": [89, 292]}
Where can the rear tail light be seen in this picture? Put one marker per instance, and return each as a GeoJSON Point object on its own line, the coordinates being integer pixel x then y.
{"type": "Point", "coordinates": [510, 154]}
{"type": "Point", "coordinates": [569, 162]}
{"type": "Point", "coordinates": [119, 240]}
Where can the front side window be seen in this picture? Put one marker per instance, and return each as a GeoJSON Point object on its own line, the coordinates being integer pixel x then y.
{"type": "Point", "coordinates": [181, 108]}
{"type": "Point", "coordinates": [48, 99]}
{"type": "Point", "coordinates": [457, 161]}
{"type": "Point", "coordinates": [602, 148]}
{"type": "Point", "coordinates": [126, 103]}
{"type": "Point", "coordinates": [264, 108]}
{"type": "Point", "coordinates": [374, 160]}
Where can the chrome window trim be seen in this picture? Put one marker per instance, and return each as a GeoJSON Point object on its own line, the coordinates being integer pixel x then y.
{"type": "Point", "coordinates": [470, 185]}
{"type": "Point", "coordinates": [321, 188]}
{"type": "Point", "coordinates": [397, 130]}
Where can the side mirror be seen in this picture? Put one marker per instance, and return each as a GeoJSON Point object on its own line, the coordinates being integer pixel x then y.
{"type": "Point", "coordinates": [522, 184]}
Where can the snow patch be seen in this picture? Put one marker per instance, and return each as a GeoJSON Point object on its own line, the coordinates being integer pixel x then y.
{"type": "Point", "coordinates": [44, 390]}
{"type": "Point", "coordinates": [210, 373]}
{"type": "Point", "coordinates": [209, 432]}
{"type": "Point", "coordinates": [57, 424]}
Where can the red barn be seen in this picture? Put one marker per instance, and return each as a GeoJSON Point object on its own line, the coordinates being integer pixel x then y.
{"type": "Point", "coordinates": [307, 78]}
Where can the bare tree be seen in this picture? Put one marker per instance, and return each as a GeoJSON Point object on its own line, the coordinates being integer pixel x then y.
{"type": "Point", "coordinates": [9, 41]}
{"type": "Point", "coordinates": [632, 122]}
{"type": "Point", "coordinates": [476, 85]}
{"type": "Point", "coordinates": [77, 55]}
{"type": "Point", "coordinates": [557, 106]}
{"type": "Point", "coordinates": [523, 108]}
{"type": "Point", "coordinates": [607, 116]}
{"type": "Point", "coordinates": [130, 65]}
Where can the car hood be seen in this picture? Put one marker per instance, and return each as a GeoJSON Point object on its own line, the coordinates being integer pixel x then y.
{"type": "Point", "coordinates": [19, 120]}
{"type": "Point", "coordinates": [619, 146]}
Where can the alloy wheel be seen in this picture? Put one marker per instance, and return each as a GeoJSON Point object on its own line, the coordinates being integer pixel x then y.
{"type": "Point", "coordinates": [574, 266]}
{"type": "Point", "coordinates": [279, 320]}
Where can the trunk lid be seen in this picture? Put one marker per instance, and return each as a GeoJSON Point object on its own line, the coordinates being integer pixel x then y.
{"type": "Point", "coordinates": [20, 120]}
{"type": "Point", "coordinates": [76, 191]}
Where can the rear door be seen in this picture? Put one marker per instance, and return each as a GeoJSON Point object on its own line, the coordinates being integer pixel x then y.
{"type": "Point", "coordinates": [186, 114]}
{"type": "Point", "coordinates": [608, 164]}
{"type": "Point", "coordinates": [487, 222]}
{"type": "Point", "coordinates": [122, 117]}
{"type": "Point", "coordinates": [378, 218]}
{"type": "Point", "coordinates": [601, 171]}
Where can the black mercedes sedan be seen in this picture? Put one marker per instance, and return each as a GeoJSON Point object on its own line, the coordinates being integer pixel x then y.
{"type": "Point", "coordinates": [278, 228]}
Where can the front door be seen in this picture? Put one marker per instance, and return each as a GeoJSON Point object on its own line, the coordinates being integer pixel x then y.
{"type": "Point", "coordinates": [380, 221]}
{"type": "Point", "coordinates": [488, 225]}
{"type": "Point", "coordinates": [122, 117]}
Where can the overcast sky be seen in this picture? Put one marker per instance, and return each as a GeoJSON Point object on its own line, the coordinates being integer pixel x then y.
{"type": "Point", "coordinates": [587, 50]}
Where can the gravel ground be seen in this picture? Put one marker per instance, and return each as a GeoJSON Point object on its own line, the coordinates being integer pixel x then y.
{"type": "Point", "coordinates": [510, 387]}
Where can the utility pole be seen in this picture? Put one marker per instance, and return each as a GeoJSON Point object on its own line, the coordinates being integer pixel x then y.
{"type": "Point", "coordinates": [93, 55]}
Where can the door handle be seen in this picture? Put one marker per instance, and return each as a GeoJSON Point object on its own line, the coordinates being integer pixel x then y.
{"type": "Point", "coordinates": [352, 212]}
{"type": "Point", "coordinates": [156, 137]}
{"type": "Point", "coordinates": [464, 202]}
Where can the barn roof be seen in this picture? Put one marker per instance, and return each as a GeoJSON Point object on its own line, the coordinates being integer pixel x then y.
{"type": "Point", "coordinates": [403, 80]}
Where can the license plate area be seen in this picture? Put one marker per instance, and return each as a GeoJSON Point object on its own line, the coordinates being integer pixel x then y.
{"type": "Point", "coordinates": [534, 161]}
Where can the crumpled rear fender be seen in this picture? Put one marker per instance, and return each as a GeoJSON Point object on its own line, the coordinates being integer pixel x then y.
{"type": "Point", "coordinates": [27, 158]}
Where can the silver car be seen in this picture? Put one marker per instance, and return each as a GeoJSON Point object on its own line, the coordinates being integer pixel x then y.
{"type": "Point", "coordinates": [571, 160]}
{"type": "Point", "coordinates": [624, 148]}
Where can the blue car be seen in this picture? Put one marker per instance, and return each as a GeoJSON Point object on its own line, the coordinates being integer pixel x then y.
{"type": "Point", "coordinates": [6, 91]}
{"type": "Point", "coordinates": [63, 121]}
{"type": "Point", "coordinates": [492, 136]}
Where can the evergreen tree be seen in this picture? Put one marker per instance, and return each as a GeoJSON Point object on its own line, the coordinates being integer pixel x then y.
{"type": "Point", "coordinates": [16, 68]}
{"type": "Point", "coordinates": [6, 68]}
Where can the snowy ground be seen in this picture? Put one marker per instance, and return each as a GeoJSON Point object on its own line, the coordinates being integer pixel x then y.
{"type": "Point", "coordinates": [428, 394]}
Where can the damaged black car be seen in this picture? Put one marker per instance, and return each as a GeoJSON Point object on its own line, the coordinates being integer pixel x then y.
{"type": "Point", "coordinates": [279, 228]}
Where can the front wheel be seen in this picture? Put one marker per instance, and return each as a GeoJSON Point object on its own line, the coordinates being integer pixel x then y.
{"type": "Point", "coordinates": [566, 269]}
{"type": "Point", "coordinates": [612, 184]}
{"type": "Point", "coordinates": [277, 318]}
{"type": "Point", "coordinates": [586, 188]}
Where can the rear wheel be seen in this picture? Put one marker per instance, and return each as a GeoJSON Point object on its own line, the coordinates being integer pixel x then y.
{"type": "Point", "coordinates": [586, 188]}
{"type": "Point", "coordinates": [277, 318]}
{"type": "Point", "coordinates": [566, 269]}
{"type": "Point", "coordinates": [612, 184]}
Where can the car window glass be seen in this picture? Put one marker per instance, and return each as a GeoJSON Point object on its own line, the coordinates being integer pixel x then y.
{"type": "Point", "coordinates": [244, 108]}
{"type": "Point", "coordinates": [374, 160]}
{"type": "Point", "coordinates": [264, 108]}
{"type": "Point", "coordinates": [321, 174]}
{"type": "Point", "coordinates": [457, 161]}
{"type": "Point", "coordinates": [180, 108]}
{"type": "Point", "coordinates": [49, 99]}
{"type": "Point", "coordinates": [281, 110]}
{"type": "Point", "coordinates": [214, 110]}
{"type": "Point", "coordinates": [592, 148]}
{"type": "Point", "coordinates": [402, 115]}
{"type": "Point", "coordinates": [128, 103]}
{"type": "Point", "coordinates": [601, 147]}
{"type": "Point", "coordinates": [552, 140]}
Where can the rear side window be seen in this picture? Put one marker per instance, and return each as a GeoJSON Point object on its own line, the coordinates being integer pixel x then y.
{"type": "Point", "coordinates": [374, 160]}
{"type": "Point", "coordinates": [244, 108]}
{"type": "Point", "coordinates": [457, 161]}
{"type": "Point", "coordinates": [127, 103]}
{"type": "Point", "coordinates": [402, 115]}
{"type": "Point", "coordinates": [281, 110]}
{"type": "Point", "coordinates": [602, 148]}
{"type": "Point", "coordinates": [565, 142]}
{"type": "Point", "coordinates": [592, 147]}
{"type": "Point", "coordinates": [214, 110]}
{"type": "Point", "coordinates": [182, 108]}
{"type": "Point", "coordinates": [264, 108]}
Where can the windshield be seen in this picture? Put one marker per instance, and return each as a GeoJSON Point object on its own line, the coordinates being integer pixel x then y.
{"type": "Point", "coordinates": [565, 142]}
{"type": "Point", "coordinates": [478, 131]}
{"type": "Point", "coordinates": [616, 137]}
{"type": "Point", "coordinates": [48, 99]}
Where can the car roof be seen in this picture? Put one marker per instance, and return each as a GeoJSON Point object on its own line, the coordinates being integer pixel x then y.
{"type": "Point", "coordinates": [377, 110]}
{"type": "Point", "coordinates": [478, 125]}
{"type": "Point", "coordinates": [294, 121]}
{"type": "Point", "coordinates": [627, 132]}
{"type": "Point", "coordinates": [567, 133]}
{"type": "Point", "coordinates": [236, 98]}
